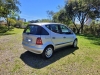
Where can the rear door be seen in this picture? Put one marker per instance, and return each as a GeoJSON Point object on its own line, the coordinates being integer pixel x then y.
{"type": "Point", "coordinates": [55, 35]}
{"type": "Point", "coordinates": [30, 34]}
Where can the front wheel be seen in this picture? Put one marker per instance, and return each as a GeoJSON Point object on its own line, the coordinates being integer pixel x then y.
{"type": "Point", "coordinates": [75, 43]}
{"type": "Point", "coordinates": [48, 52]}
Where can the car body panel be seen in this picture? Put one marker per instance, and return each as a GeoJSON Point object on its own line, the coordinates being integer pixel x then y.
{"type": "Point", "coordinates": [55, 39]}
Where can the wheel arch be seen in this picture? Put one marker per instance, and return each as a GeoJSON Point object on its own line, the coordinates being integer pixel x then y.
{"type": "Point", "coordinates": [76, 39]}
{"type": "Point", "coordinates": [43, 54]}
{"type": "Point", "coordinates": [50, 45]}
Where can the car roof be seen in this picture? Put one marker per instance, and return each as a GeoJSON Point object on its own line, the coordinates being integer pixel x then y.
{"type": "Point", "coordinates": [41, 24]}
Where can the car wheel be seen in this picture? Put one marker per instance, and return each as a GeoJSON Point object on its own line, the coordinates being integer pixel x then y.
{"type": "Point", "coordinates": [48, 52]}
{"type": "Point", "coordinates": [75, 43]}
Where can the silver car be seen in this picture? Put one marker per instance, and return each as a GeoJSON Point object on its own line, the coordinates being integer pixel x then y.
{"type": "Point", "coordinates": [45, 38]}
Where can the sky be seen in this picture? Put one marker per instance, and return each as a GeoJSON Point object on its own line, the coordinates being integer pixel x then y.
{"type": "Point", "coordinates": [36, 9]}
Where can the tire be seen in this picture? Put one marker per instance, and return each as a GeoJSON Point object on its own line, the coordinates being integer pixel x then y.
{"type": "Point", "coordinates": [48, 52]}
{"type": "Point", "coordinates": [75, 43]}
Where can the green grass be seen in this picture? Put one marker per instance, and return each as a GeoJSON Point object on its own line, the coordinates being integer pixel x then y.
{"type": "Point", "coordinates": [13, 31]}
{"type": "Point", "coordinates": [84, 60]}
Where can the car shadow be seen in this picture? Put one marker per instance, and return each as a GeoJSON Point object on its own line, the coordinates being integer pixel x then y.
{"type": "Point", "coordinates": [36, 60]}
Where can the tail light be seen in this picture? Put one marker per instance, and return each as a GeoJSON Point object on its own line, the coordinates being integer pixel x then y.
{"type": "Point", "coordinates": [39, 41]}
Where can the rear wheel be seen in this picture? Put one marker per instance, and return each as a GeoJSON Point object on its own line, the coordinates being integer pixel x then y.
{"type": "Point", "coordinates": [75, 43]}
{"type": "Point", "coordinates": [48, 52]}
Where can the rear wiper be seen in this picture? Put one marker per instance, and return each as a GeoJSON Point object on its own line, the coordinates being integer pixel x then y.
{"type": "Point", "coordinates": [28, 33]}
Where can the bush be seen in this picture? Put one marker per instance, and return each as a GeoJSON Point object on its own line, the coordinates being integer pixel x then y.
{"type": "Point", "coordinates": [92, 29]}
{"type": "Point", "coordinates": [3, 28]}
{"type": "Point", "coordinates": [11, 23]}
{"type": "Point", "coordinates": [19, 24]}
{"type": "Point", "coordinates": [23, 26]}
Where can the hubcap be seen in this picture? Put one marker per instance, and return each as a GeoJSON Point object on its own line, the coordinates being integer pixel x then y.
{"type": "Point", "coordinates": [48, 52]}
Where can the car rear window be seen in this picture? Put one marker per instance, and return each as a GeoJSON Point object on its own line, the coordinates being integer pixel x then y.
{"type": "Point", "coordinates": [35, 30]}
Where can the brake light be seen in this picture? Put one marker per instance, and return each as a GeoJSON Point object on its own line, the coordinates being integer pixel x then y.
{"type": "Point", "coordinates": [39, 41]}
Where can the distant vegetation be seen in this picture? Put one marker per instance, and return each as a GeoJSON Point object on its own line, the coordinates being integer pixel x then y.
{"type": "Point", "coordinates": [73, 10]}
{"type": "Point", "coordinates": [79, 10]}
{"type": "Point", "coordinates": [9, 11]}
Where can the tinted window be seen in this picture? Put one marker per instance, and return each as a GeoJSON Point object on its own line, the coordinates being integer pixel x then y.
{"type": "Point", "coordinates": [65, 30]}
{"type": "Point", "coordinates": [48, 26]}
{"type": "Point", "coordinates": [32, 29]}
{"type": "Point", "coordinates": [36, 30]}
{"type": "Point", "coordinates": [44, 32]}
{"type": "Point", "coordinates": [54, 28]}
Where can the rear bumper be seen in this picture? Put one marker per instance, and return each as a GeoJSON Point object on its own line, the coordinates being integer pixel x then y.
{"type": "Point", "coordinates": [33, 49]}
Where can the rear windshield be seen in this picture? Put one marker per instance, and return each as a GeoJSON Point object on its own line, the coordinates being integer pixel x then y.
{"type": "Point", "coordinates": [35, 30]}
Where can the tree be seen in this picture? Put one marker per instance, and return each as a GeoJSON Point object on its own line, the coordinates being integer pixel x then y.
{"type": "Point", "coordinates": [95, 8]}
{"type": "Point", "coordinates": [13, 15]}
{"type": "Point", "coordinates": [19, 24]}
{"type": "Point", "coordinates": [55, 17]}
{"type": "Point", "coordinates": [50, 14]}
{"type": "Point", "coordinates": [61, 17]}
{"type": "Point", "coordinates": [33, 21]}
{"type": "Point", "coordinates": [11, 22]}
{"type": "Point", "coordinates": [6, 8]}
{"type": "Point", "coordinates": [44, 20]}
{"type": "Point", "coordinates": [77, 10]}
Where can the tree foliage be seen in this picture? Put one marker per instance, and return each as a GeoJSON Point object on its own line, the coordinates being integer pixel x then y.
{"type": "Point", "coordinates": [12, 22]}
{"type": "Point", "coordinates": [50, 14]}
{"type": "Point", "coordinates": [45, 20]}
{"type": "Point", "coordinates": [8, 8]}
{"type": "Point", "coordinates": [61, 17]}
{"type": "Point", "coordinates": [95, 8]}
{"type": "Point", "coordinates": [77, 10]}
{"type": "Point", "coordinates": [19, 24]}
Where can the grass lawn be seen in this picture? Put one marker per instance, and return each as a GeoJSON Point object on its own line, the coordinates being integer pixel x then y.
{"type": "Point", "coordinates": [14, 60]}
{"type": "Point", "coordinates": [13, 31]}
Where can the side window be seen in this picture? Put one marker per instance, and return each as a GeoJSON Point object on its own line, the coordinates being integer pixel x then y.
{"type": "Point", "coordinates": [48, 26]}
{"type": "Point", "coordinates": [65, 30]}
{"type": "Point", "coordinates": [55, 28]}
{"type": "Point", "coordinates": [44, 32]}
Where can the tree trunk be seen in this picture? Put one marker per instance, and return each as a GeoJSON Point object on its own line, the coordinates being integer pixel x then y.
{"type": "Point", "coordinates": [8, 24]}
{"type": "Point", "coordinates": [78, 31]}
{"type": "Point", "coordinates": [82, 24]}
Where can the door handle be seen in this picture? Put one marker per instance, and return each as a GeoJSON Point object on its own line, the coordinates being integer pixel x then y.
{"type": "Point", "coordinates": [53, 37]}
{"type": "Point", "coordinates": [64, 37]}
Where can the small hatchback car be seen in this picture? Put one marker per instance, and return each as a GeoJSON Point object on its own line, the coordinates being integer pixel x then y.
{"type": "Point", "coordinates": [44, 38]}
